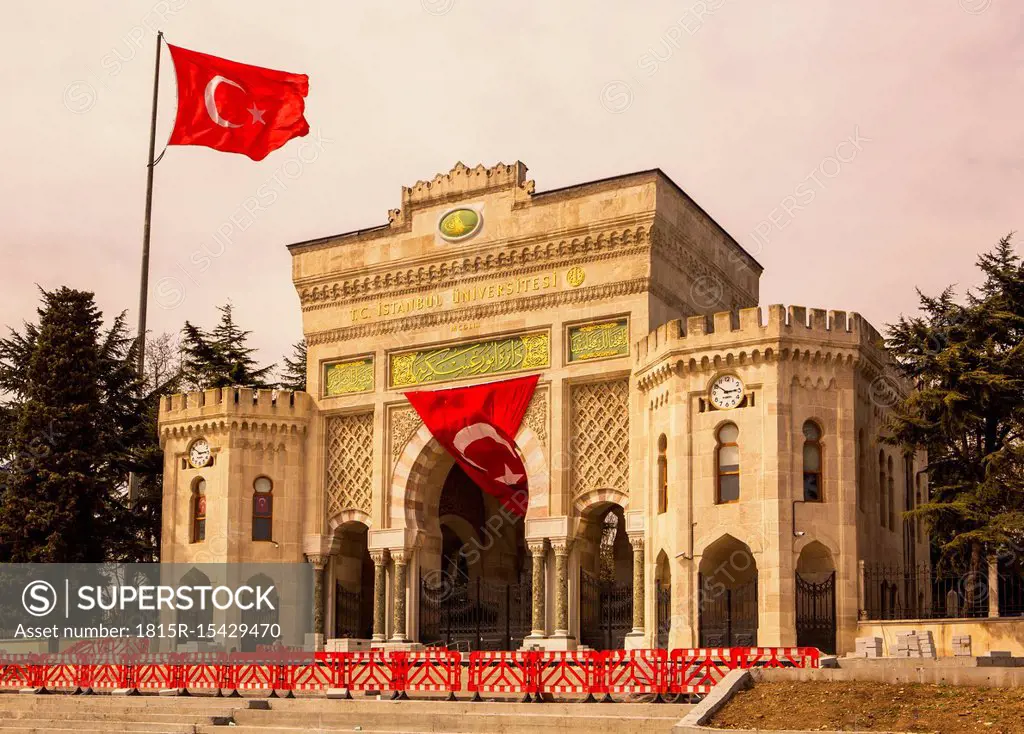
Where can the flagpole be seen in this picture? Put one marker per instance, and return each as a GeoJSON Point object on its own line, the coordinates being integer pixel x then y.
{"type": "Point", "coordinates": [133, 480]}
{"type": "Point", "coordinates": [144, 279]}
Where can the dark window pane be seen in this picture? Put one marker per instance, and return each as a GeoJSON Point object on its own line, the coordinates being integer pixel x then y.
{"type": "Point", "coordinates": [261, 527]}
{"type": "Point", "coordinates": [728, 488]}
{"type": "Point", "coordinates": [812, 492]}
{"type": "Point", "coordinates": [200, 530]}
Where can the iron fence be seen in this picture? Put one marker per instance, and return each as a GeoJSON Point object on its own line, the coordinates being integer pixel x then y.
{"type": "Point", "coordinates": [923, 592]}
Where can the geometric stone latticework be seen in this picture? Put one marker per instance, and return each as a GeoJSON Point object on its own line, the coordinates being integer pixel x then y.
{"type": "Point", "coordinates": [403, 424]}
{"type": "Point", "coordinates": [349, 463]}
{"type": "Point", "coordinates": [600, 436]}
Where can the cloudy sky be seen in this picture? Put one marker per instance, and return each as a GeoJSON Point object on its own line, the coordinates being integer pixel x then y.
{"type": "Point", "coordinates": [856, 149]}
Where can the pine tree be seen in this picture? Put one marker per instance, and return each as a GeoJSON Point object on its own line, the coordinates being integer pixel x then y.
{"type": "Point", "coordinates": [966, 363]}
{"type": "Point", "coordinates": [293, 376]}
{"type": "Point", "coordinates": [122, 422]}
{"type": "Point", "coordinates": [52, 504]}
{"type": "Point", "coordinates": [220, 358]}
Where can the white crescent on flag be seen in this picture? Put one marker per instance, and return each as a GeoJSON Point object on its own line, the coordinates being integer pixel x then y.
{"type": "Point", "coordinates": [475, 432]}
{"type": "Point", "coordinates": [211, 103]}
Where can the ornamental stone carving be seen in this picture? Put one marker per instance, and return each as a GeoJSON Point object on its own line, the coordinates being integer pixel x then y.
{"type": "Point", "coordinates": [403, 423]}
{"type": "Point", "coordinates": [600, 436]}
{"type": "Point", "coordinates": [536, 417]}
{"type": "Point", "coordinates": [349, 471]}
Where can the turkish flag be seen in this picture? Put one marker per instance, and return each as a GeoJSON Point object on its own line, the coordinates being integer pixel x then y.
{"type": "Point", "coordinates": [236, 108]}
{"type": "Point", "coordinates": [477, 426]}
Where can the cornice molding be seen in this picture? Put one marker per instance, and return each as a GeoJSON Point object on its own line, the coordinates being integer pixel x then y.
{"type": "Point", "coordinates": [483, 311]}
{"type": "Point", "coordinates": [219, 426]}
{"type": "Point", "coordinates": [507, 259]}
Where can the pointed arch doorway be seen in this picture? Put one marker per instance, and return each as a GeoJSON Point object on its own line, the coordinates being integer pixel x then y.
{"type": "Point", "coordinates": [479, 596]}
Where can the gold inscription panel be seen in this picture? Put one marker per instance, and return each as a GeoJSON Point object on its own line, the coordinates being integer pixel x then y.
{"type": "Point", "coordinates": [598, 341]}
{"type": "Point", "coordinates": [492, 357]}
{"type": "Point", "coordinates": [352, 376]}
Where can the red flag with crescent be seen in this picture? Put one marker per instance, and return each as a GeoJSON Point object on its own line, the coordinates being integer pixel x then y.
{"type": "Point", "coordinates": [235, 107]}
{"type": "Point", "coordinates": [477, 426]}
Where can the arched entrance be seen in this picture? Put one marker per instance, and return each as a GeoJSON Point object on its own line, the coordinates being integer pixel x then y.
{"type": "Point", "coordinates": [353, 582]}
{"type": "Point", "coordinates": [816, 599]}
{"type": "Point", "coordinates": [478, 596]}
{"type": "Point", "coordinates": [606, 578]}
{"type": "Point", "coordinates": [663, 591]}
{"type": "Point", "coordinates": [728, 595]}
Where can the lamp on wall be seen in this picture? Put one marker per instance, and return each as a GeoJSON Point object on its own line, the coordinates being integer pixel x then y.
{"type": "Point", "coordinates": [797, 533]}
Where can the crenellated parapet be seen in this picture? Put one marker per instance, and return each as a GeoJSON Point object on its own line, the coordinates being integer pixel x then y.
{"type": "Point", "coordinates": [235, 408]}
{"type": "Point", "coordinates": [736, 337]}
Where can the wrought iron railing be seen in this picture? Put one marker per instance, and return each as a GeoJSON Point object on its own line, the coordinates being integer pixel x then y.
{"type": "Point", "coordinates": [923, 592]}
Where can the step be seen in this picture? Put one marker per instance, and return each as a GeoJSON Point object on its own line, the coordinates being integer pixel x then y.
{"type": "Point", "coordinates": [45, 724]}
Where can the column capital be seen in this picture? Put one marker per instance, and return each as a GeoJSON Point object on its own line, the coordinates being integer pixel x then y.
{"type": "Point", "coordinates": [379, 556]}
{"type": "Point", "coordinates": [319, 560]}
{"type": "Point", "coordinates": [400, 556]}
{"type": "Point", "coordinates": [637, 541]}
{"type": "Point", "coordinates": [561, 546]}
{"type": "Point", "coordinates": [537, 547]}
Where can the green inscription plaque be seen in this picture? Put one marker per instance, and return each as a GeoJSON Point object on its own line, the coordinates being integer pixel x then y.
{"type": "Point", "coordinates": [342, 378]}
{"type": "Point", "coordinates": [493, 357]}
{"type": "Point", "coordinates": [597, 341]}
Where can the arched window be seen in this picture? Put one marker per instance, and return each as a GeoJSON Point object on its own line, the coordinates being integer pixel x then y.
{"type": "Point", "coordinates": [883, 505]}
{"type": "Point", "coordinates": [728, 457]}
{"type": "Point", "coordinates": [262, 509]}
{"type": "Point", "coordinates": [812, 462]}
{"type": "Point", "coordinates": [199, 510]}
{"type": "Point", "coordinates": [662, 474]}
{"type": "Point", "coordinates": [892, 495]}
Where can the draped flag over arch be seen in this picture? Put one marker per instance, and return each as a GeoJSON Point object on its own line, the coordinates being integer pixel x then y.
{"type": "Point", "coordinates": [477, 425]}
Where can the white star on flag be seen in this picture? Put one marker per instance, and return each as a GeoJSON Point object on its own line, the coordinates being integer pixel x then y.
{"type": "Point", "coordinates": [257, 114]}
{"type": "Point", "coordinates": [510, 477]}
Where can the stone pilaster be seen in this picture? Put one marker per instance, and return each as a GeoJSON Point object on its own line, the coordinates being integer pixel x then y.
{"type": "Point", "coordinates": [538, 623]}
{"type": "Point", "coordinates": [561, 549]}
{"type": "Point", "coordinates": [637, 542]}
{"type": "Point", "coordinates": [319, 562]}
{"type": "Point", "coordinates": [993, 586]}
{"type": "Point", "coordinates": [380, 594]}
{"type": "Point", "coordinates": [401, 561]}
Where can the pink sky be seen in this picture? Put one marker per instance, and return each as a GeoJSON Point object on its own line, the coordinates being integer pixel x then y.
{"type": "Point", "coordinates": [740, 102]}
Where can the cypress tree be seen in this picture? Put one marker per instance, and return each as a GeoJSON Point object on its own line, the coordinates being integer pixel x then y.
{"type": "Point", "coordinates": [293, 376]}
{"type": "Point", "coordinates": [220, 358]}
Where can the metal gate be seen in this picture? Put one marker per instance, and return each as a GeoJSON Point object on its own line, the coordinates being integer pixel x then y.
{"type": "Point", "coordinates": [728, 617]}
{"type": "Point", "coordinates": [816, 613]}
{"type": "Point", "coordinates": [347, 608]}
{"type": "Point", "coordinates": [664, 607]}
{"type": "Point", "coordinates": [474, 615]}
{"type": "Point", "coordinates": [606, 613]}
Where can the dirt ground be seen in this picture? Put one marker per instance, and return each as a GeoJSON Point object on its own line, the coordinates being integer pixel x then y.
{"type": "Point", "coordinates": [823, 706]}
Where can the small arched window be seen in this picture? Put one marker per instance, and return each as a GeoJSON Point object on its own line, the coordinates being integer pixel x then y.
{"type": "Point", "coordinates": [199, 510]}
{"type": "Point", "coordinates": [662, 474]}
{"type": "Point", "coordinates": [728, 458]}
{"type": "Point", "coordinates": [262, 509]}
{"type": "Point", "coordinates": [812, 462]}
{"type": "Point", "coordinates": [892, 494]}
{"type": "Point", "coordinates": [883, 505]}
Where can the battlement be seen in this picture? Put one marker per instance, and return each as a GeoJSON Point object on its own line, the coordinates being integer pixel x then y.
{"type": "Point", "coordinates": [462, 182]}
{"type": "Point", "coordinates": [235, 401]}
{"type": "Point", "coordinates": [838, 328]}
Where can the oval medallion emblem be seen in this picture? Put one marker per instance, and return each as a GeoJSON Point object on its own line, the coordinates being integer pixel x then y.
{"type": "Point", "coordinates": [460, 224]}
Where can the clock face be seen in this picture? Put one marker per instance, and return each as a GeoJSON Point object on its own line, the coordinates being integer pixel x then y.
{"type": "Point", "coordinates": [726, 392]}
{"type": "Point", "coordinates": [199, 453]}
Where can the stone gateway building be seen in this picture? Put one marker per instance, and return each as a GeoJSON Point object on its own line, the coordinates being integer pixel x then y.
{"type": "Point", "coordinates": [701, 472]}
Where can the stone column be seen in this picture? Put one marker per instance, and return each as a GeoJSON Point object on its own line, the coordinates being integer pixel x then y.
{"type": "Point", "coordinates": [380, 594]}
{"type": "Point", "coordinates": [319, 562]}
{"type": "Point", "coordinates": [993, 586]}
{"type": "Point", "coordinates": [401, 560]}
{"type": "Point", "coordinates": [638, 584]}
{"type": "Point", "coordinates": [538, 622]}
{"type": "Point", "coordinates": [561, 549]}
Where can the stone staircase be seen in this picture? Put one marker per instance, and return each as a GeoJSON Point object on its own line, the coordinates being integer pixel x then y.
{"type": "Point", "coordinates": [62, 714]}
